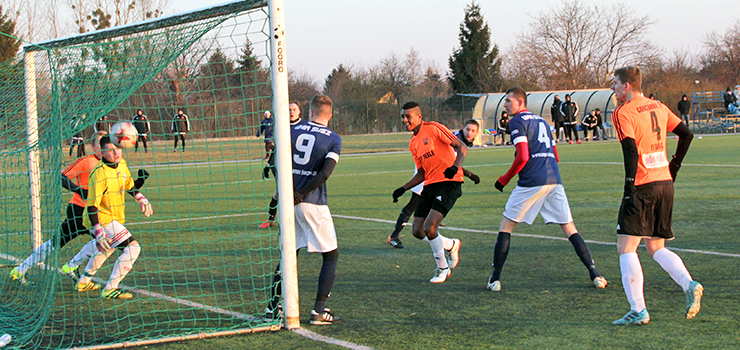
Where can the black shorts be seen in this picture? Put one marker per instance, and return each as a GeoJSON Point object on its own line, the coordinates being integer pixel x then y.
{"type": "Point", "coordinates": [654, 215]}
{"type": "Point", "coordinates": [440, 196]}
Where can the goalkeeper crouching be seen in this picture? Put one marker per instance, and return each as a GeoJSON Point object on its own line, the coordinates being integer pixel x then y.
{"type": "Point", "coordinates": [109, 181]}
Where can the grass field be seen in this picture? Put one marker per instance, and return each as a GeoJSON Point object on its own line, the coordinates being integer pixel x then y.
{"type": "Point", "coordinates": [383, 295]}
{"type": "Point", "coordinates": [386, 302]}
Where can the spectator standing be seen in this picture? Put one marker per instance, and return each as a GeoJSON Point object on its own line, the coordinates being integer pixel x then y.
{"type": "Point", "coordinates": [141, 123]}
{"type": "Point", "coordinates": [569, 109]}
{"type": "Point", "coordinates": [503, 127]}
{"type": "Point", "coordinates": [557, 117]}
{"type": "Point", "coordinates": [684, 108]}
{"type": "Point", "coordinates": [600, 123]}
{"type": "Point", "coordinates": [266, 129]}
{"type": "Point", "coordinates": [180, 127]}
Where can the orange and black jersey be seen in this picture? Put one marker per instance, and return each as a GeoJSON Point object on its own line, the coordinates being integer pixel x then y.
{"type": "Point", "coordinates": [647, 122]}
{"type": "Point", "coordinates": [432, 152]}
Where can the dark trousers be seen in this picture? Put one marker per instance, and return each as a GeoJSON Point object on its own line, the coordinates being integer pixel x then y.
{"type": "Point", "coordinates": [586, 129]}
{"type": "Point", "coordinates": [180, 137]}
{"type": "Point", "coordinates": [558, 125]}
{"type": "Point", "coordinates": [142, 138]}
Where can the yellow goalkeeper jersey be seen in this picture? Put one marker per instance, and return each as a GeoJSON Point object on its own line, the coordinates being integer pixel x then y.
{"type": "Point", "coordinates": [107, 191]}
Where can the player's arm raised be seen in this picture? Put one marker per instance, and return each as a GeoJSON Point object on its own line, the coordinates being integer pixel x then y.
{"type": "Point", "coordinates": [320, 178]}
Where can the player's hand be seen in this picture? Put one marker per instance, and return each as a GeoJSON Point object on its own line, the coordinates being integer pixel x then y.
{"type": "Point", "coordinates": [398, 193]}
{"type": "Point", "coordinates": [450, 172]}
{"type": "Point", "coordinates": [628, 203]}
{"type": "Point", "coordinates": [499, 186]}
{"type": "Point", "coordinates": [298, 197]}
{"type": "Point", "coordinates": [101, 242]}
{"type": "Point", "coordinates": [144, 205]}
{"type": "Point", "coordinates": [673, 166]}
{"type": "Point", "coordinates": [475, 178]}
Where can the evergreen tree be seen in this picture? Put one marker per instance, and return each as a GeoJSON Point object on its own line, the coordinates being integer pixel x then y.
{"type": "Point", "coordinates": [474, 67]}
{"type": "Point", "coordinates": [334, 83]}
{"type": "Point", "coordinates": [247, 61]}
{"type": "Point", "coordinates": [8, 46]}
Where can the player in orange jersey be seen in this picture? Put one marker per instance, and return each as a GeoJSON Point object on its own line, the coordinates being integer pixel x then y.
{"type": "Point", "coordinates": [438, 155]}
{"type": "Point", "coordinates": [646, 212]}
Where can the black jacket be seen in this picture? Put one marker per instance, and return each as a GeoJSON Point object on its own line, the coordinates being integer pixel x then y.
{"type": "Point", "coordinates": [557, 116]}
{"type": "Point", "coordinates": [569, 110]}
{"type": "Point", "coordinates": [684, 107]}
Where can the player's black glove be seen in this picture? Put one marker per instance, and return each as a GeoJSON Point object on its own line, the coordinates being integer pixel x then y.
{"type": "Point", "coordinates": [143, 175]}
{"type": "Point", "coordinates": [398, 193]}
{"type": "Point", "coordinates": [628, 201]}
{"type": "Point", "coordinates": [450, 172]}
{"type": "Point", "coordinates": [475, 178]}
{"type": "Point", "coordinates": [82, 192]}
{"type": "Point", "coordinates": [673, 166]}
{"type": "Point", "coordinates": [499, 186]}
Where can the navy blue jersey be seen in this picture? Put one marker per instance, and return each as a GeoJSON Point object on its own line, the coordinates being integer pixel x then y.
{"type": "Point", "coordinates": [312, 144]}
{"type": "Point", "coordinates": [266, 128]}
{"type": "Point", "coordinates": [541, 168]}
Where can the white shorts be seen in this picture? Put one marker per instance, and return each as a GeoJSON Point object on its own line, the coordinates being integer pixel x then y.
{"type": "Point", "coordinates": [116, 233]}
{"type": "Point", "coordinates": [314, 228]}
{"type": "Point", "coordinates": [549, 200]}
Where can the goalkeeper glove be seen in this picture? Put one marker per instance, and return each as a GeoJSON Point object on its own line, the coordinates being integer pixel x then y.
{"type": "Point", "coordinates": [398, 193]}
{"type": "Point", "coordinates": [450, 172]}
{"type": "Point", "coordinates": [674, 166]}
{"type": "Point", "coordinates": [101, 242]}
{"type": "Point", "coordinates": [144, 205]}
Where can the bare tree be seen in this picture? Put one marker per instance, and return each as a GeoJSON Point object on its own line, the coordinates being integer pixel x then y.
{"type": "Point", "coordinates": [579, 46]}
{"type": "Point", "coordinates": [721, 62]}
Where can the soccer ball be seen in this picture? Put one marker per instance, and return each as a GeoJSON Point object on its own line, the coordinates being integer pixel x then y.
{"type": "Point", "coordinates": [123, 134]}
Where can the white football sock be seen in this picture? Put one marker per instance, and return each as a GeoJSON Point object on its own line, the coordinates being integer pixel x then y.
{"type": "Point", "coordinates": [439, 252]}
{"type": "Point", "coordinates": [446, 242]}
{"type": "Point", "coordinates": [673, 264]}
{"type": "Point", "coordinates": [85, 253]}
{"type": "Point", "coordinates": [123, 265]}
{"type": "Point", "coordinates": [632, 280]}
{"type": "Point", "coordinates": [93, 265]}
{"type": "Point", "coordinates": [425, 239]}
{"type": "Point", "coordinates": [38, 255]}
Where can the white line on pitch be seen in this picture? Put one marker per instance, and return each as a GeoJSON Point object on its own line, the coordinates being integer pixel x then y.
{"type": "Point", "coordinates": [706, 252]}
{"type": "Point", "coordinates": [322, 338]}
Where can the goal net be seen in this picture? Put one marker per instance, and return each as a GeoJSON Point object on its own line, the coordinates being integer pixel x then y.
{"type": "Point", "coordinates": [206, 267]}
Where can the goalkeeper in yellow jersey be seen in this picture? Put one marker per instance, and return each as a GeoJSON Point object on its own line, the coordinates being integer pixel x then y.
{"type": "Point", "coordinates": [109, 182]}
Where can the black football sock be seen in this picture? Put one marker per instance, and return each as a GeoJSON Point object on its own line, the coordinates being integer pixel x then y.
{"type": "Point", "coordinates": [326, 279]}
{"type": "Point", "coordinates": [584, 254]}
{"type": "Point", "coordinates": [272, 211]}
{"type": "Point", "coordinates": [500, 252]}
{"type": "Point", "coordinates": [402, 219]}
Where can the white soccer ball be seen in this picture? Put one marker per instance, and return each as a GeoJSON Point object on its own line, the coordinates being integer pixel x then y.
{"type": "Point", "coordinates": [123, 134]}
